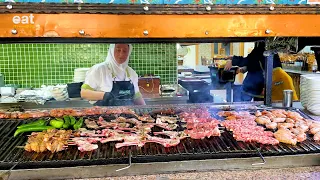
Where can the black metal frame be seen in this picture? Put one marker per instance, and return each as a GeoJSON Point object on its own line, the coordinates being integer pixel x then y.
{"type": "Point", "coordinates": [127, 40]}
{"type": "Point", "coordinates": [156, 9]}
{"type": "Point", "coordinates": [268, 80]}
{"type": "Point", "coordinates": [188, 9]}
{"type": "Point", "coordinates": [55, 8]}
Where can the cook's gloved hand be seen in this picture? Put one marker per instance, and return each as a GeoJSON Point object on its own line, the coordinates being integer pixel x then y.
{"type": "Point", "coordinates": [107, 96]}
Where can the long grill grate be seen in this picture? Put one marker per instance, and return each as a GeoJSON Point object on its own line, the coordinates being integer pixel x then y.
{"type": "Point", "coordinates": [225, 146]}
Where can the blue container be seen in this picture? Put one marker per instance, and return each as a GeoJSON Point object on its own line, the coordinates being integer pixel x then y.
{"type": "Point", "coordinates": [246, 1]}
{"type": "Point", "coordinates": [296, 1]}
{"type": "Point", "coordinates": [135, 1]}
{"type": "Point", "coordinates": [183, 1]}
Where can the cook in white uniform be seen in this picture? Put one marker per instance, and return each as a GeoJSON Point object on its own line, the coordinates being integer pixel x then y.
{"type": "Point", "coordinates": [113, 82]}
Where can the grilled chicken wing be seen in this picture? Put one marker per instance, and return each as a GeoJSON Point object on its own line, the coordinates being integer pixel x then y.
{"type": "Point", "coordinates": [263, 120]}
{"type": "Point", "coordinates": [271, 125]}
{"type": "Point", "coordinates": [285, 136]}
{"type": "Point", "coordinates": [301, 137]}
{"type": "Point", "coordinates": [278, 120]}
{"type": "Point", "coordinates": [315, 130]}
{"type": "Point", "coordinates": [285, 125]}
{"type": "Point", "coordinates": [316, 137]}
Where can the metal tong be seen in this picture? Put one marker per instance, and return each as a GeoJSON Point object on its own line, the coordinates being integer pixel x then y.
{"type": "Point", "coordinates": [262, 158]}
{"type": "Point", "coordinates": [127, 167]}
{"type": "Point", "coordinates": [6, 175]}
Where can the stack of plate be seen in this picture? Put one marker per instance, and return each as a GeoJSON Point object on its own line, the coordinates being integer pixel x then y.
{"type": "Point", "coordinates": [310, 92]}
{"type": "Point", "coordinates": [80, 74]}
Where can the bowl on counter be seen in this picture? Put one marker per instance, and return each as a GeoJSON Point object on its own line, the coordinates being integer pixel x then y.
{"type": "Point", "coordinates": [74, 89]}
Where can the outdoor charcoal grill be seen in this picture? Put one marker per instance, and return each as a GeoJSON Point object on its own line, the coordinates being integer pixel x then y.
{"type": "Point", "coordinates": [223, 147]}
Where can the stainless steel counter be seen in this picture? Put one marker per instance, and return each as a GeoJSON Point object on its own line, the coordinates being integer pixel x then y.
{"type": "Point", "coordinates": [80, 103]}
{"type": "Point", "coordinates": [298, 71]}
{"type": "Point", "coordinates": [179, 96]}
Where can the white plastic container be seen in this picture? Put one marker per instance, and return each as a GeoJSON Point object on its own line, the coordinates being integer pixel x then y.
{"type": "Point", "coordinates": [8, 91]}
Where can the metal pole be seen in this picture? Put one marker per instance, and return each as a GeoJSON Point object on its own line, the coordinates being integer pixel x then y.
{"type": "Point", "coordinates": [229, 91]}
{"type": "Point", "coordinates": [268, 80]}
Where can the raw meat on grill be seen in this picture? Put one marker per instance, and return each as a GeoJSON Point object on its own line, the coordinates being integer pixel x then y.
{"type": "Point", "coordinates": [96, 110]}
{"type": "Point", "coordinates": [168, 119]}
{"type": "Point", "coordinates": [164, 142]}
{"type": "Point", "coordinates": [91, 124]}
{"type": "Point", "coordinates": [146, 118]}
{"type": "Point", "coordinates": [120, 111]}
{"type": "Point", "coordinates": [202, 133]}
{"type": "Point", "coordinates": [167, 126]}
{"type": "Point", "coordinates": [104, 124]}
{"type": "Point", "coordinates": [132, 140]}
{"type": "Point", "coordinates": [199, 126]}
{"type": "Point", "coordinates": [87, 147]}
{"type": "Point", "coordinates": [227, 113]}
{"type": "Point", "coordinates": [194, 123]}
{"type": "Point", "coordinates": [164, 111]}
{"type": "Point", "coordinates": [84, 145]}
{"type": "Point", "coordinates": [85, 132]}
{"type": "Point", "coordinates": [233, 115]}
{"type": "Point", "coordinates": [69, 111]}
{"type": "Point", "coordinates": [172, 134]}
{"type": "Point", "coordinates": [125, 120]}
{"type": "Point", "coordinates": [130, 143]}
{"type": "Point", "coordinates": [212, 124]}
{"type": "Point", "coordinates": [112, 139]}
{"type": "Point", "coordinates": [249, 131]}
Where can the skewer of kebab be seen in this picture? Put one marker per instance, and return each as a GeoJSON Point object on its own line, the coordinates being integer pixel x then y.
{"type": "Point", "coordinates": [52, 140]}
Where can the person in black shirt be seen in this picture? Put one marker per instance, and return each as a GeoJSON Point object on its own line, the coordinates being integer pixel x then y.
{"type": "Point", "coordinates": [254, 64]}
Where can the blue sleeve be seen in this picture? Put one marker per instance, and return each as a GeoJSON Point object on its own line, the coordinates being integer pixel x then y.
{"type": "Point", "coordinates": [239, 61]}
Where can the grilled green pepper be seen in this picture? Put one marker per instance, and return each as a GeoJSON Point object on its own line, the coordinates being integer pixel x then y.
{"type": "Point", "coordinates": [40, 122]}
{"type": "Point", "coordinates": [31, 129]}
{"type": "Point", "coordinates": [66, 122]}
{"type": "Point", "coordinates": [78, 125]}
{"type": "Point", "coordinates": [72, 120]}
{"type": "Point", "coordinates": [57, 123]}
